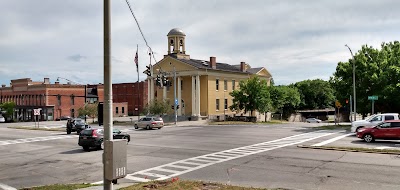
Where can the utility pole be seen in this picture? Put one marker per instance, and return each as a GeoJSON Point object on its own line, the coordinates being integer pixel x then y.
{"type": "Point", "coordinates": [351, 105]}
{"type": "Point", "coordinates": [107, 109]}
{"type": "Point", "coordinates": [354, 83]}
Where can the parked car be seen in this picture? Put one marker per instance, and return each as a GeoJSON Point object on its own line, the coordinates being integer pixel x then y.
{"type": "Point", "coordinates": [313, 120]}
{"type": "Point", "coordinates": [92, 137]}
{"type": "Point", "coordinates": [372, 121]}
{"type": "Point", "coordinates": [385, 130]}
{"type": "Point", "coordinates": [77, 125]}
{"type": "Point", "coordinates": [2, 119]}
{"type": "Point", "coordinates": [149, 123]}
{"type": "Point", "coordinates": [63, 118]}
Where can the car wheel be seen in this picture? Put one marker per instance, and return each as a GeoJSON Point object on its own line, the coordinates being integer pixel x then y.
{"type": "Point", "coordinates": [101, 146]}
{"type": "Point", "coordinates": [68, 131]}
{"type": "Point", "coordinates": [127, 139]}
{"type": "Point", "coordinates": [136, 127]}
{"type": "Point", "coordinates": [368, 138]}
{"type": "Point", "coordinates": [148, 127]}
{"type": "Point", "coordinates": [86, 148]}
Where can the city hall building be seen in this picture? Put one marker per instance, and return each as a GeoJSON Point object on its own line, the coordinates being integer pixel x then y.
{"type": "Point", "coordinates": [202, 86]}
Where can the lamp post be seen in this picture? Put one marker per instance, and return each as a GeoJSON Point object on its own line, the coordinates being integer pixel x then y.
{"type": "Point", "coordinates": [354, 83]}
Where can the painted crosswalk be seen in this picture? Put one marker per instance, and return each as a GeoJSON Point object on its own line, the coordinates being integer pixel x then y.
{"type": "Point", "coordinates": [180, 167]}
{"type": "Point", "coordinates": [36, 139]}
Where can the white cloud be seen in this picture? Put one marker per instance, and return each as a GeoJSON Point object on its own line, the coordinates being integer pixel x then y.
{"type": "Point", "coordinates": [294, 40]}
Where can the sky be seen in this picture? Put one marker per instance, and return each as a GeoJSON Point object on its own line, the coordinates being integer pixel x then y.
{"type": "Point", "coordinates": [294, 40]}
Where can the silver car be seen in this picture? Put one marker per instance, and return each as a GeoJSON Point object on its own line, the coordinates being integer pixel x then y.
{"type": "Point", "coordinates": [149, 123]}
{"type": "Point", "coordinates": [313, 120]}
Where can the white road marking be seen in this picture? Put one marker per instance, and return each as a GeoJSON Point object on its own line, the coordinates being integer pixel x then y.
{"type": "Point", "coordinates": [189, 165]}
{"type": "Point", "coordinates": [382, 147]}
{"type": "Point", "coordinates": [6, 187]}
{"type": "Point", "coordinates": [35, 139]}
{"type": "Point", "coordinates": [331, 140]}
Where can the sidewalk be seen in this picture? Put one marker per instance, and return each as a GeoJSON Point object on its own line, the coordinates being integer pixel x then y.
{"type": "Point", "coordinates": [188, 123]}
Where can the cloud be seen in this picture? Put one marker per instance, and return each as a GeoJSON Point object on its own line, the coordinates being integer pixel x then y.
{"type": "Point", "coordinates": [294, 40]}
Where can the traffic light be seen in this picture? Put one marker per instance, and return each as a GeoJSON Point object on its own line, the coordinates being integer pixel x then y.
{"type": "Point", "coordinates": [164, 80]}
{"type": "Point", "coordinates": [347, 101]}
{"type": "Point", "coordinates": [147, 71]}
{"type": "Point", "coordinates": [172, 106]}
{"type": "Point", "coordinates": [158, 80]}
{"type": "Point", "coordinates": [177, 107]}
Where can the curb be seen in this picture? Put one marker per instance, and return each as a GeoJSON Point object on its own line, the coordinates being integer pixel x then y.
{"type": "Point", "coordinates": [348, 150]}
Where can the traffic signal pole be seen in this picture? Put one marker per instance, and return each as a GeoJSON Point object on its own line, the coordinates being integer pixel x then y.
{"type": "Point", "coordinates": [176, 116]}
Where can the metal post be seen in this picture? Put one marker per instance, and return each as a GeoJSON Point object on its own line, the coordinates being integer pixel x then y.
{"type": "Point", "coordinates": [176, 116]}
{"type": "Point", "coordinates": [85, 100]}
{"type": "Point", "coordinates": [373, 104]}
{"type": "Point", "coordinates": [107, 109]}
{"type": "Point", "coordinates": [351, 107]}
{"type": "Point", "coordinates": [354, 83]}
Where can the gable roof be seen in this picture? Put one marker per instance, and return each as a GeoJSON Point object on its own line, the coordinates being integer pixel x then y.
{"type": "Point", "coordinates": [202, 64]}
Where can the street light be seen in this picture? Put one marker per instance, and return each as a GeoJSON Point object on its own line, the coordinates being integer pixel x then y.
{"type": "Point", "coordinates": [354, 82]}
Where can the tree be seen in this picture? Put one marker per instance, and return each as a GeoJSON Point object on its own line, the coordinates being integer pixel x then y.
{"type": "Point", "coordinates": [88, 110]}
{"type": "Point", "coordinates": [377, 73]}
{"type": "Point", "coordinates": [8, 109]}
{"type": "Point", "coordinates": [285, 99]}
{"type": "Point", "coordinates": [315, 94]}
{"type": "Point", "coordinates": [157, 107]}
{"type": "Point", "coordinates": [252, 95]}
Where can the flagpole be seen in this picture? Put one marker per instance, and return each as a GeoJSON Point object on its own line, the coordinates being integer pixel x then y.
{"type": "Point", "coordinates": [138, 84]}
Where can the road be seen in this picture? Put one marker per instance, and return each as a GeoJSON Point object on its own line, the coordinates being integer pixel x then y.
{"type": "Point", "coordinates": [258, 156]}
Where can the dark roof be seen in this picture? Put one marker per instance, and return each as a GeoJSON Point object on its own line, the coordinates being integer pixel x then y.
{"type": "Point", "coordinates": [254, 70]}
{"type": "Point", "coordinates": [202, 64]}
{"type": "Point", "coordinates": [176, 31]}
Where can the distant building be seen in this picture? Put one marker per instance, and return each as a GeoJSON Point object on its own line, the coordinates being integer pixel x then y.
{"type": "Point", "coordinates": [134, 94]}
{"type": "Point", "coordinates": [54, 100]}
{"type": "Point", "coordinates": [202, 86]}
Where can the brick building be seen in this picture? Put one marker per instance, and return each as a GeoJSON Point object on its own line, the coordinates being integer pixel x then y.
{"type": "Point", "coordinates": [54, 100]}
{"type": "Point", "coordinates": [135, 94]}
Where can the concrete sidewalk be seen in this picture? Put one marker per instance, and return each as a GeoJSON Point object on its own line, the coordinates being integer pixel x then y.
{"type": "Point", "coordinates": [188, 123]}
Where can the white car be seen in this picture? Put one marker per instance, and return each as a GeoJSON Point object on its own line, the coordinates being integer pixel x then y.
{"type": "Point", "coordinates": [2, 119]}
{"type": "Point", "coordinates": [313, 120]}
{"type": "Point", "coordinates": [373, 121]}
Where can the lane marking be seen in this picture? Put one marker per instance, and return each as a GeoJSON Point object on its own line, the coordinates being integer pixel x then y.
{"type": "Point", "coordinates": [382, 147]}
{"type": "Point", "coordinates": [6, 187]}
{"type": "Point", "coordinates": [189, 166]}
{"type": "Point", "coordinates": [35, 139]}
{"type": "Point", "coordinates": [331, 140]}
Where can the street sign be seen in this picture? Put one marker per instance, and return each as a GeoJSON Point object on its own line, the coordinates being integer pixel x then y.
{"type": "Point", "coordinates": [176, 101]}
{"type": "Point", "coordinates": [372, 97]}
{"type": "Point", "coordinates": [36, 111]}
{"type": "Point", "coordinates": [337, 104]}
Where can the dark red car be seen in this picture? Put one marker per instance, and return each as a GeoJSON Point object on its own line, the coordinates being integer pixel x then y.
{"type": "Point", "coordinates": [388, 130]}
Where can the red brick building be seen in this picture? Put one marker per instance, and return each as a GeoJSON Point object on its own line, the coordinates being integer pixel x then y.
{"type": "Point", "coordinates": [54, 100]}
{"type": "Point", "coordinates": [133, 93]}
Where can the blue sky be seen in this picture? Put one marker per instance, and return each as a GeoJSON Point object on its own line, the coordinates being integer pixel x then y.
{"type": "Point", "coordinates": [294, 40]}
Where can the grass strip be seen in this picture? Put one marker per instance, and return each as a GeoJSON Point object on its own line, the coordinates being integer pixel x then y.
{"type": "Point", "coordinates": [39, 129]}
{"type": "Point", "coordinates": [60, 187]}
{"type": "Point", "coordinates": [176, 184]}
{"type": "Point", "coordinates": [353, 149]}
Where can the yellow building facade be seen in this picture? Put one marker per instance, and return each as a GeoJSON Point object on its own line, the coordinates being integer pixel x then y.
{"type": "Point", "coordinates": [202, 86]}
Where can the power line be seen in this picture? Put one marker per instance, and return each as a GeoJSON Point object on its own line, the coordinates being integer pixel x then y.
{"type": "Point", "coordinates": [141, 32]}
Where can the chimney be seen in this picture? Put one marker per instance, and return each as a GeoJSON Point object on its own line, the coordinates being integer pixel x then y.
{"type": "Point", "coordinates": [213, 62]}
{"type": "Point", "coordinates": [57, 83]}
{"type": "Point", "coordinates": [3, 85]}
{"type": "Point", "coordinates": [46, 81]}
{"type": "Point", "coordinates": [243, 66]}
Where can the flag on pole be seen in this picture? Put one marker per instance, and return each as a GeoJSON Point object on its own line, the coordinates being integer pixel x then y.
{"type": "Point", "coordinates": [137, 60]}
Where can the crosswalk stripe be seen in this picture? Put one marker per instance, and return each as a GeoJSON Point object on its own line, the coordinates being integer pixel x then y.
{"type": "Point", "coordinates": [35, 139]}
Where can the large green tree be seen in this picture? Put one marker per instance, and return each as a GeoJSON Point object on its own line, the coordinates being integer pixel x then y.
{"type": "Point", "coordinates": [252, 95]}
{"type": "Point", "coordinates": [157, 107]}
{"type": "Point", "coordinates": [377, 73]}
{"type": "Point", "coordinates": [88, 110]}
{"type": "Point", "coordinates": [7, 108]}
{"type": "Point", "coordinates": [285, 99]}
{"type": "Point", "coordinates": [315, 94]}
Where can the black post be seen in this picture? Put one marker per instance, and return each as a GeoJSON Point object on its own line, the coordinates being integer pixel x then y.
{"type": "Point", "coordinates": [84, 103]}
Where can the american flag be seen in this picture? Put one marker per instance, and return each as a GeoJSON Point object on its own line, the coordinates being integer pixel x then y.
{"type": "Point", "coordinates": [137, 61]}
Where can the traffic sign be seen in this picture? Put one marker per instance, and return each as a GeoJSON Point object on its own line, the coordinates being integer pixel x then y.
{"type": "Point", "coordinates": [372, 97]}
{"type": "Point", "coordinates": [176, 101]}
{"type": "Point", "coordinates": [337, 104]}
{"type": "Point", "coordinates": [36, 111]}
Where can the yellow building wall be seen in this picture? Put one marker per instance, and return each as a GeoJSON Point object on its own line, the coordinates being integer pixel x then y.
{"type": "Point", "coordinates": [204, 95]}
{"type": "Point", "coordinates": [221, 94]}
{"type": "Point", "coordinates": [187, 95]}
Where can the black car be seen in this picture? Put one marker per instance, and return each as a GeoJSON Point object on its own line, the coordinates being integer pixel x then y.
{"type": "Point", "coordinates": [63, 118]}
{"type": "Point", "coordinates": [77, 125]}
{"type": "Point", "coordinates": [91, 137]}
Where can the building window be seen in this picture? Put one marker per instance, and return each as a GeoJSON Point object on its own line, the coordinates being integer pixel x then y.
{"type": "Point", "coordinates": [181, 84]}
{"type": "Point", "coordinates": [233, 84]}
{"type": "Point", "coordinates": [59, 100]}
{"type": "Point", "coordinates": [216, 84]}
{"type": "Point", "coordinates": [226, 104]}
{"type": "Point", "coordinates": [217, 104]}
{"type": "Point", "coordinates": [123, 110]}
{"type": "Point", "coordinates": [116, 109]}
{"type": "Point", "coordinates": [72, 100]}
{"type": "Point", "coordinates": [225, 85]}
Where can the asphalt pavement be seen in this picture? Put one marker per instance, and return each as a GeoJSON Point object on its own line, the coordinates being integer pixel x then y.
{"type": "Point", "coordinates": [255, 155]}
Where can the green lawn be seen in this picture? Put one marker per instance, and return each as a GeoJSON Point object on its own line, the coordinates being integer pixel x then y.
{"type": "Point", "coordinates": [59, 187]}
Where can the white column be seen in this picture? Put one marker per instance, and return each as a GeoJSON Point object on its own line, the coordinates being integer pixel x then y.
{"type": "Point", "coordinates": [193, 97]}
{"type": "Point", "coordinates": [148, 90]}
{"type": "Point", "coordinates": [198, 95]}
{"type": "Point", "coordinates": [179, 96]}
